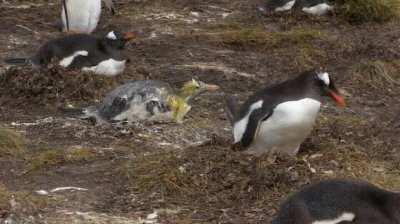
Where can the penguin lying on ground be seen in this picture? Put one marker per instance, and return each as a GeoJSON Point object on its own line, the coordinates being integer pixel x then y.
{"type": "Point", "coordinates": [147, 100]}
{"type": "Point", "coordinates": [82, 16]}
{"type": "Point", "coordinates": [340, 201]}
{"type": "Point", "coordinates": [313, 7]}
{"type": "Point", "coordinates": [279, 118]}
{"type": "Point", "coordinates": [102, 56]}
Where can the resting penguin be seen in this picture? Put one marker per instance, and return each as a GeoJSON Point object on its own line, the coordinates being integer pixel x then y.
{"type": "Point", "coordinates": [147, 100]}
{"type": "Point", "coordinates": [82, 16]}
{"type": "Point", "coordinates": [101, 56]}
{"type": "Point", "coordinates": [313, 7]}
{"type": "Point", "coordinates": [280, 117]}
{"type": "Point", "coordinates": [339, 202]}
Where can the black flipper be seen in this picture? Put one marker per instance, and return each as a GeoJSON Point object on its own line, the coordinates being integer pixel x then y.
{"type": "Point", "coordinates": [231, 108]}
{"type": "Point", "coordinates": [80, 61]}
{"type": "Point", "coordinates": [18, 61]}
{"type": "Point", "coordinates": [255, 119]}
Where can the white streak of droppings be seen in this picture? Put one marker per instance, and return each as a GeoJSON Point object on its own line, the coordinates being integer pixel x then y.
{"type": "Point", "coordinates": [240, 127]}
{"type": "Point", "coordinates": [285, 7]}
{"type": "Point", "coordinates": [111, 35]}
{"type": "Point", "coordinates": [65, 62]}
{"type": "Point", "coordinates": [42, 192]}
{"type": "Point", "coordinates": [324, 77]}
{"type": "Point", "coordinates": [347, 216]}
{"type": "Point", "coordinates": [68, 188]}
{"type": "Point", "coordinates": [318, 10]}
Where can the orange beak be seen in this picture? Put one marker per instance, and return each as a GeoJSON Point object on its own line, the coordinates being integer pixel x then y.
{"type": "Point", "coordinates": [129, 36]}
{"type": "Point", "coordinates": [339, 100]}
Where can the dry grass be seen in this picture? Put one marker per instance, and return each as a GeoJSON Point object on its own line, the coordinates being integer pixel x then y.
{"type": "Point", "coordinates": [11, 143]}
{"type": "Point", "coordinates": [360, 11]}
{"type": "Point", "coordinates": [379, 74]}
{"type": "Point", "coordinates": [260, 39]}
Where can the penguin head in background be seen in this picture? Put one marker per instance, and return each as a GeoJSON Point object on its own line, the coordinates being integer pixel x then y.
{"type": "Point", "coordinates": [328, 88]}
{"type": "Point", "coordinates": [117, 39]}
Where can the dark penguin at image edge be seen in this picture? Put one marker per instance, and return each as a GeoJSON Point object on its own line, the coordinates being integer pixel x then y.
{"type": "Point", "coordinates": [338, 202]}
{"type": "Point", "coordinates": [280, 117]}
{"type": "Point", "coordinates": [100, 55]}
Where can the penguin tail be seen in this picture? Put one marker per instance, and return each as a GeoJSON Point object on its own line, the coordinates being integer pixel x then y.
{"type": "Point", "coordinates": [18, 61]}
{"type": "Point", "coordinates": [231, 107]}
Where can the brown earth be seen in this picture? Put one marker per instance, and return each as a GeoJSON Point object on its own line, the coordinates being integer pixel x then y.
{"type": "Point", "coordinates": [188, 173]}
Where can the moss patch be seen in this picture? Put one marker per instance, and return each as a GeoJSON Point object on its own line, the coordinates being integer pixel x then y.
{"type": "Point", "coordinates": [11, 143]}
{"type": "Point", "coordinates": [360, 11]}
{"type": "Point", "coordinates": [58, 157]}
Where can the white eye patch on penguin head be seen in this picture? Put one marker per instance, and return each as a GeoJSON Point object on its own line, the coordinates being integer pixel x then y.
{"type": "Point", "coordinates": [111, 35]}
{"type": "Point", "coordinates": [324, 77]}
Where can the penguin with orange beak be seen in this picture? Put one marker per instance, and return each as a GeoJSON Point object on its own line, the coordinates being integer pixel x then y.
{"type": "Point", "coordinates": [100, 55]}
{"type": "Point", "coordinates": [280, 117]}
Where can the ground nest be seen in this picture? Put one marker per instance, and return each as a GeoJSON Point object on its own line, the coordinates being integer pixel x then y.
{"type": "Point", "coordinates": [51, 86]}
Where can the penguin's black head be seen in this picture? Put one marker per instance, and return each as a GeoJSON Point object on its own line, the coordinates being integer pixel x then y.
{"type": "Point", "coordinates": [328, 88]}
{"type": "Point", "coordinates": [118, 40]}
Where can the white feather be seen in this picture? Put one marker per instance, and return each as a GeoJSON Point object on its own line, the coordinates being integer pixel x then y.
{"type": "Point", "coordinates": [83, 15]}
{"type": "Point", "coordinates": [324, 77]}
{"type": "Point", "coordinates": [108, 67]}
{"type": "Point", "coordinates": [240, 126]}
{"type": "Point", "coordinates": [65, 62]}
{"type": "Point", "coordinates": [285, 7]}
{"type": "Point", "coordinates": [288, 126]}
{"type": "Point", "coordinates": [344, 217]}
{"type": "Point", "coordinates": [111, 35]}
{"type": "Point", "coordinates": [318, 10]}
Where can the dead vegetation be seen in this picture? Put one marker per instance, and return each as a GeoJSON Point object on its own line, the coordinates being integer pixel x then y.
{"type": "Point", "coordinates": [52, 86]}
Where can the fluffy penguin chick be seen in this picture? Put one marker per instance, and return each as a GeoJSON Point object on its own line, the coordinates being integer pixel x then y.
{"type": "Point", "coordinates": [148, 100]}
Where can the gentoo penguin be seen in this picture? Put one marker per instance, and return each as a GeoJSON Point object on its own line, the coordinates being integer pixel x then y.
{"type": "Point", "coordinates": [339, 202]}
{"type": "Point", "coordinates": [280, 117]}
{"type": "Point", "coordinates": [147, 100]}
{"type": "Point", "coordinates": [82, 16]}
{"type": "Point", "coordinates": [101, 56]}
{"type": "Point", "coordinates": [280, 5]}
{"type": "Point", "coordinates": [313, 7]}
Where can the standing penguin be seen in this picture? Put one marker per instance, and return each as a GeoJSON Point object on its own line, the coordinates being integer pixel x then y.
{"type": "Point", "coordinates": [101, 55]}
{"type": "Point", "coordinates": [82, 16]}
{"type": "Point", "coordinates": [340, 201]}
{"type": "Point", "coordinates": [279, 118]}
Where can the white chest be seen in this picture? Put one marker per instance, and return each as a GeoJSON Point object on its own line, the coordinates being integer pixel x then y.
{"type": "Point", "coordinates": [288, 126]}
{"type": "Point", "coordinates": [83, 15]}
{"type": "Point", "coordinates": [318, 10]}
{"type": "Point", "coordinates": [286, 7]}
{"type": "Point", "coordinates": [110, 67]}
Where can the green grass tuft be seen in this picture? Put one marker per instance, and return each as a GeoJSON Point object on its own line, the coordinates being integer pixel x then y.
{"type": "Point", "coordinates": [11, 143]}
{"type": "Point", "coordinates": [360, 11]}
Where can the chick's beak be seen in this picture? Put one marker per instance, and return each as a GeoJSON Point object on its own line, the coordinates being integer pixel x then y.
{"type": "Point", "coordinates": [129, 36]}
{"type": "Point", "coordinates": [211, 87]}
{"type": "Point", "coordinates": [339, 100]}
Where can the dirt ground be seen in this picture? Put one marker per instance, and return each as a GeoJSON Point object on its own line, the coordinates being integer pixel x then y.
{"type": "Point", "coordinates": [187, 173]}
